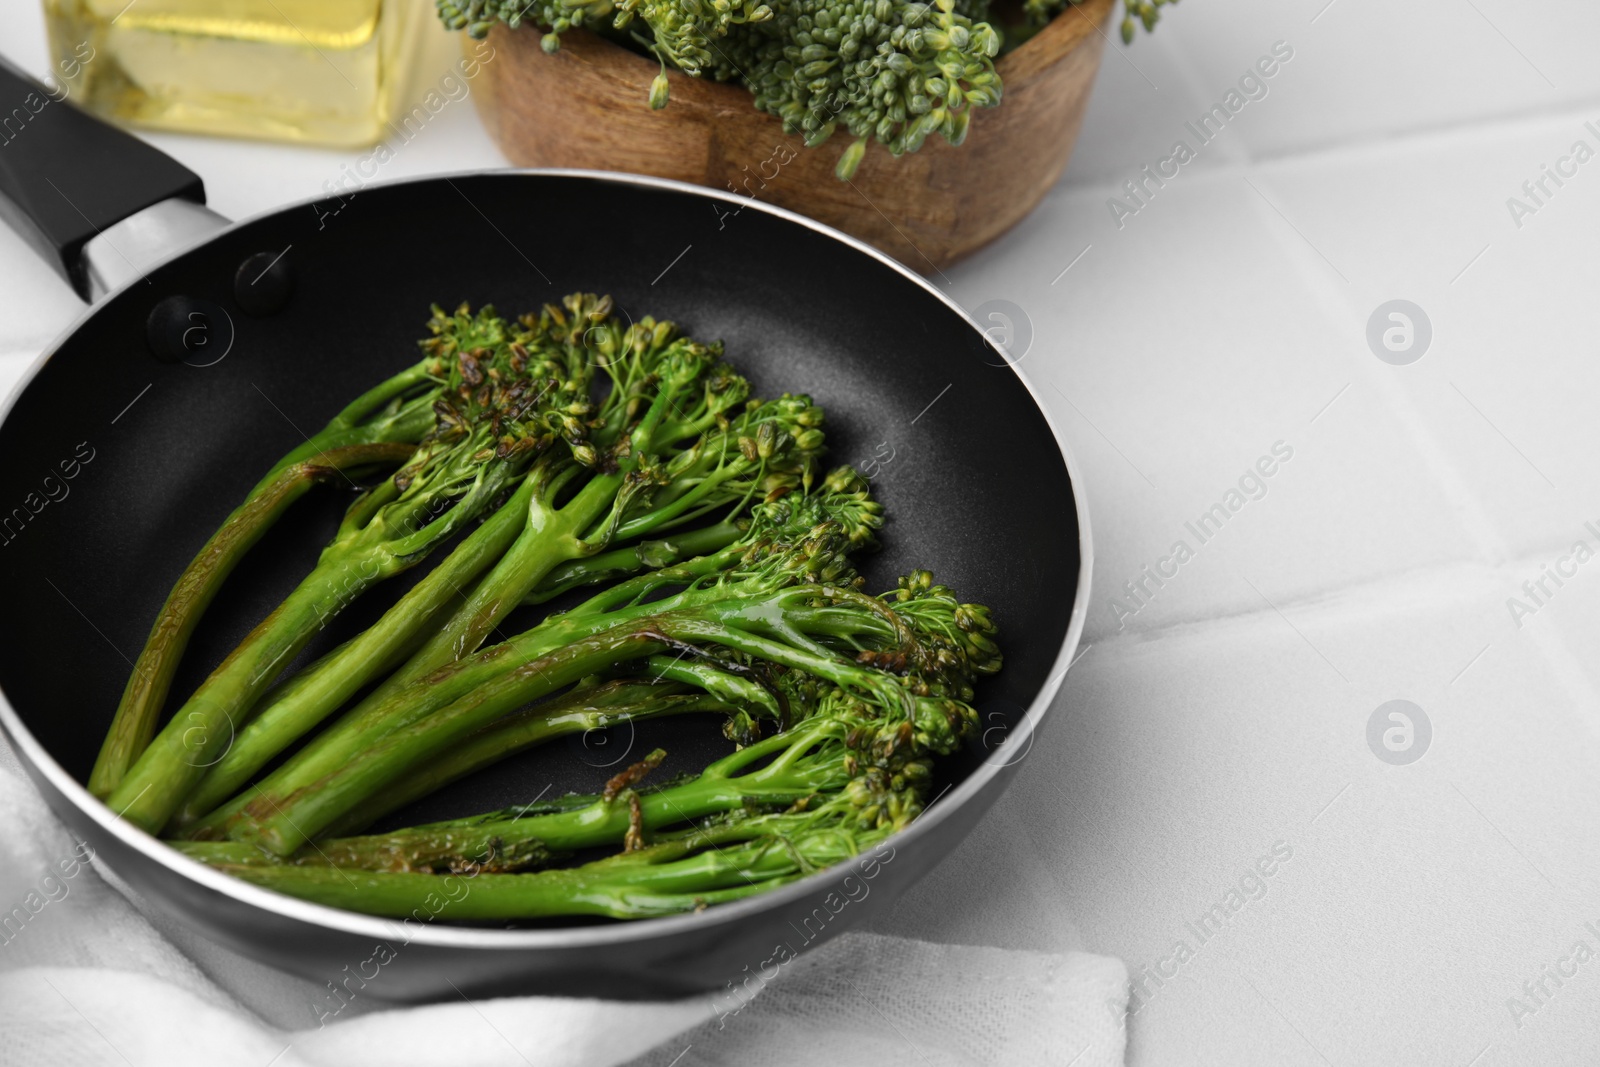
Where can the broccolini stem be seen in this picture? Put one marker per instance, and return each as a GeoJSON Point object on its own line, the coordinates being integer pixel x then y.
{"type": "Point", "coordinates": [622, 894]}
{"type": "Point", "coordinates": [398, 411]}
{"type": "Point", "coordinates": [371, 720]}
{"type": "Point", "coordinates": [721, 788]}
{"type": "Point", "coordinates": [146, 691]}
{"type": "Point", "coordinates": [393, 707]}
{"type": "Point", "coordinates": [283, 827]}
{"type": "Point", "coordinates": [578, 713]}
{"type": "Point", "coordinates": [378, 538]}
{"type": "Point", "coordinates": [733, 690]}
{"type": "Point", "coordinates": [435, 850]}
{"type": "Point", "coordinates": [301, 705]}
{"type": "Point", "coordinates": [634, 591]}
{"type": "Point", "coordinates": [304, 706]}
{"type": "Point", "coordinates": [622, 562]}
{"type": "Point", "coordinates": [203, 728]}
{"type": "Point", "coordinates": [287, 823]}
{"type": "Point", "coordinates": [550, 537]}
{"type": "Point", "coordinates": [690, 870]}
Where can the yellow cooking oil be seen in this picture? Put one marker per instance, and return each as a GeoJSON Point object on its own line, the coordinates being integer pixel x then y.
{"type": "Point", "coordinates": [313, 71]}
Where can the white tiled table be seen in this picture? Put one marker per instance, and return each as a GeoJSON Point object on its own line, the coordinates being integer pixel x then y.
{"type": "Point", "coordinates": [1229, 714]}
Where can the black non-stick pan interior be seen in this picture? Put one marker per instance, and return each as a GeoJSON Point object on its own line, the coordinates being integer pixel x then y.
{"type": "Point", "coordinates": [160, 452]}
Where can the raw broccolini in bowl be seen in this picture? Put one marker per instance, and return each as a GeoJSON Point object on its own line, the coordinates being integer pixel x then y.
{"type": "Point", "coordinates": [891, 71]}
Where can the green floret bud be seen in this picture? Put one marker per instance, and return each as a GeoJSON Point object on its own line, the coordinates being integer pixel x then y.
{"type": "Point", "coordinates": [851, 159]}
{"type": "Point", "coordinates": [960, 640]}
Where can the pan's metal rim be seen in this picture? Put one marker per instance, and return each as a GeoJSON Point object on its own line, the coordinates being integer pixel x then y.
{"type": "Point", "coordinates": [444, 936]}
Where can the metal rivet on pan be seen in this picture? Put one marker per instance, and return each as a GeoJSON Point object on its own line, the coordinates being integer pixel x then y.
{"type": "Point", "coordinates": [182, 328]}
{"type": "Point", "coordinates": [263, 283]}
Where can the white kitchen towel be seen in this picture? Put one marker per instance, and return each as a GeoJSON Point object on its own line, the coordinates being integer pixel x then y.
{"type": "Point", "coordinates": [86, 980]}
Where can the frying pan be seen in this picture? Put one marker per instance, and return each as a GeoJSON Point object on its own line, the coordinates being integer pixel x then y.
{"type": "Point", "coordinates": [192, 372]}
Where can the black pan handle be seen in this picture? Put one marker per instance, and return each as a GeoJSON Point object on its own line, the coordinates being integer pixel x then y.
{"type": "Point", "coordinates": [65, 175]}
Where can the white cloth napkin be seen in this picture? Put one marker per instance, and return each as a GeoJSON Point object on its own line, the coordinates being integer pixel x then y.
{"type": "Point", "coordinates": [86, 980]}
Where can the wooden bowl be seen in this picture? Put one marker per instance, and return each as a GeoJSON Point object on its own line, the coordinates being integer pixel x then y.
{"type": "Point", "coordinates": [585, 107]}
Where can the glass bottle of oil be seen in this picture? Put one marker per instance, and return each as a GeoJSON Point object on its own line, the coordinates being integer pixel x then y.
{"type": "Point", "coordinates": [315, 71]}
